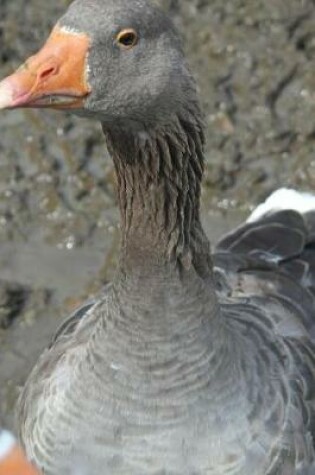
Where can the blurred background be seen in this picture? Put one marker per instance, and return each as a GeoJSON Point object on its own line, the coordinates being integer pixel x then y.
{"type": "Point", "coordinates": [59, 235]}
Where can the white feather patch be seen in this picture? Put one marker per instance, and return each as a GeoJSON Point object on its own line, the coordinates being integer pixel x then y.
{"type": "Point", "coordinates": [7, 442]}
{"type": "Point", "coordinates": [69, 30]}
{"type": "Point", "coordinates": [282, 199]}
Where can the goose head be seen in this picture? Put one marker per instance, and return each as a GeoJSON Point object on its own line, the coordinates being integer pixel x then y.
{"type": "Point", "coordinates": [118, 61]}
{"type": "Point", "coordinates": [121, 62]}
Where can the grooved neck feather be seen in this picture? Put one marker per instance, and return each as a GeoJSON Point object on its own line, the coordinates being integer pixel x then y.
{"type": "Point", "coordinates": [159, 175]}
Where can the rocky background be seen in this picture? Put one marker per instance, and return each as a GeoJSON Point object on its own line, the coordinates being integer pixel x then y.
{"type": "Point", "coordinates": [254, 63]}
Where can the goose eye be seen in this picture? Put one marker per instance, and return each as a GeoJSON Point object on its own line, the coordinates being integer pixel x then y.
{"type": "Point", "coordinates": [127, 38]}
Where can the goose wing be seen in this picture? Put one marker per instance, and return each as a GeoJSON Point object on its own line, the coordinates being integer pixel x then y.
{"type": "Point", "coordinates": [272, 257]}
{"type": "Point", "coordinates": [269, 263]}
{"type": "Point", "coordinates": [84, 312]}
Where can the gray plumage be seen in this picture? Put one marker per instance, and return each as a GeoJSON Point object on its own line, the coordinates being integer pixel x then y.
{"type": "Point", "coordinates": [188, 363]}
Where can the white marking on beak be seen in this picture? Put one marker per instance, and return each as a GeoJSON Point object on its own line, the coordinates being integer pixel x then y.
{"type": "Point", "coordinates": [69, 30]}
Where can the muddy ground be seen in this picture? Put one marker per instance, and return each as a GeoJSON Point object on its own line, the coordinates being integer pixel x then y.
{"type": "Point", "coordinates": [254, 63]}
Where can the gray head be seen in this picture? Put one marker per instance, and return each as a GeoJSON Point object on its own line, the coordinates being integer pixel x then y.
{"type": "Point", "coordinates": [134, 68]}
{"type": "Point", "coordinates": [121, 62]}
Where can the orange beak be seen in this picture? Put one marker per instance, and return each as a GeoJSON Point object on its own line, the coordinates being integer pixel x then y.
{"type": "Point", "coordinates": [12, 459]}
{"type": "Point", "coordinates": [56, 77]}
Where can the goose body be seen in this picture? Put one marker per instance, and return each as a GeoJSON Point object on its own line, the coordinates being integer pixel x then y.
{"type": "Point", "coordinates": [188, 363]}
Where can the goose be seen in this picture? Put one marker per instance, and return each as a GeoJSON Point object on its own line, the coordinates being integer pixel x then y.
{"type": "Point", "coordinates": [189, 362]}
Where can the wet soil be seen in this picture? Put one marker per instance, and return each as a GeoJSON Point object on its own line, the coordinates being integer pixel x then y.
{"type": "Point", "coordinates": [254, 64]}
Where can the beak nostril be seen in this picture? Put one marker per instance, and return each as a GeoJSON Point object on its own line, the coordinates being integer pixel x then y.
{"type": "Point", "coordinates": [47, 72]}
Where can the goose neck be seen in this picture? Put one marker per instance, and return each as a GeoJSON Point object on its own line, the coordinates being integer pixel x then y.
{"type": "Point", "coordinates": [159, 175]}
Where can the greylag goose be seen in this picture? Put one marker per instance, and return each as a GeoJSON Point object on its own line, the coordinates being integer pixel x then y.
{"type": "Point", "coordinates": [187, 363]}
